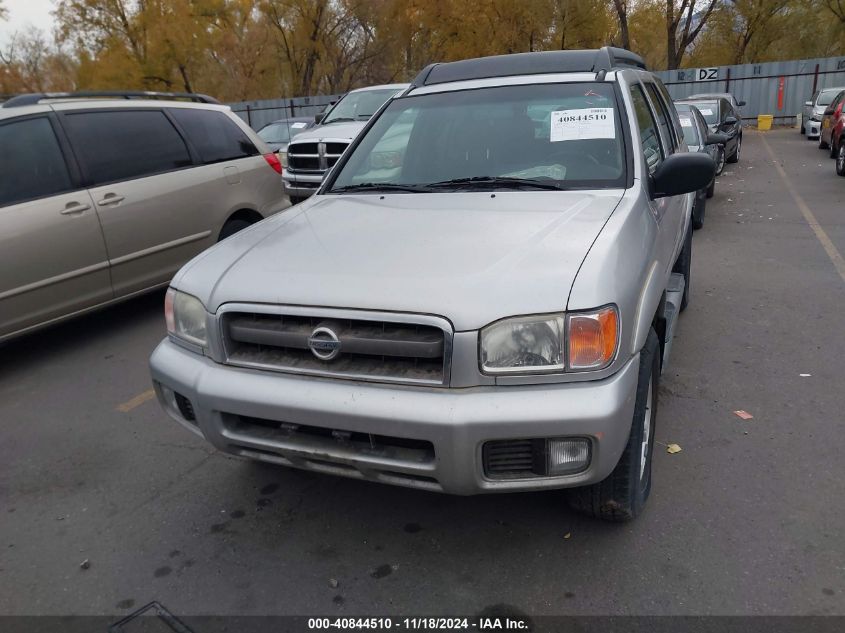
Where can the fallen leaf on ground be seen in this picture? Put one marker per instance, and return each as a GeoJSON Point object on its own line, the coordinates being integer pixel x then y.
{"type": "Point", "coordinates": [567, 535]}
{"type": "Point", "coordinates": [673, 448]}
{"type": "Point", "coordinates": [743, 414]}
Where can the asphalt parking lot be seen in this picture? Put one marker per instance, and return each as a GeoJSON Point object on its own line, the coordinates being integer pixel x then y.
{"type": "Point", "coordinates": [747, 519]}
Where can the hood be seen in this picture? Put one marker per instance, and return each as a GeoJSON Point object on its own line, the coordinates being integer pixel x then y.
{"type": "Point", "coordinates": [346, 131]}
{"type": "Point", "coordinates": [277, 147]}
{"type": "Point", "coordinates": [468, 257]}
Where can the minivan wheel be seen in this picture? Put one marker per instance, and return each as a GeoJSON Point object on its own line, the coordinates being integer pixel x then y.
{"type": "Point", "coordinates": [233, 226]}
{"type": "Point", "coordinates": [840, 159]}
{"type": "Point", "coordinates": [622, 495]}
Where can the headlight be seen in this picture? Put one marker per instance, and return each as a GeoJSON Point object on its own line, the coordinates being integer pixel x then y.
{"type": "Point", "coordinates": [283, 158]}
{"type": "Point", "coordinates": [523, 345]}
{"type": "Point", "coordinates": [185, 317]}
{"type": "Point", "coordinates": [551, 343]}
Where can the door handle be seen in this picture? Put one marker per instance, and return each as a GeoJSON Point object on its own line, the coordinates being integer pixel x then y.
{"type": "Point", "coordinates": [72, 208]}
{"type": "Point", "coordinates": [110, 198]}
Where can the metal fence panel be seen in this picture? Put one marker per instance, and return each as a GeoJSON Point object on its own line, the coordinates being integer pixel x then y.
{"type": "Point", "coordinates": [759, 85]}
{"type": "Point", "coordinates": [259, 113]}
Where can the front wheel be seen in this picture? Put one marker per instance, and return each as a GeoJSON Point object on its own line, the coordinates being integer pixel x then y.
{"type": "Point", "coordinates": [834, 151]}
{"type": "Point", "coordinates": [698, 211]}
{"type": "Point", "coordinates": [822, 143]}
{"type": "Point", "coordinates": [231, 227]}
{"type": "Point", "coordinates": [622, 495]}
{"type": "Point", "coordinates": [711, 189]}
{"type": "Point", "coordinates": [734, 158]}
{"type": "Point", "coordinates": [840, 159]}
{"type": "Point", "coordinates": [720, 160]}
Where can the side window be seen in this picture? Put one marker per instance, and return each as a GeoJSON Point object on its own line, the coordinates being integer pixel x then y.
{"type": "Point", "coordinates": [31, 163]}
{"type": "Point", "coordinates": [125, 144]}
{"type": "Point", "coordinates": [215, 136]}
{"type": "Point", "coordinates": [670, 104]}
{"type": "Point", "coordinates": [664, 119]}
{"type": "Point", "coordinates": [649, 135]}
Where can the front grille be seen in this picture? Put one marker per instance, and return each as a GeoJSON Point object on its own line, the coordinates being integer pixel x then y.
{"type": "Point", "coordinates": [505, 459]}
{"type": "Point", "coordinates": [314, 157]}
{"type": "Point", "coordinates": [303, 163]}
{"type": "Point", "coordinates": [302, 435]}
{"type": "Point", "coordinates": [381, 350]}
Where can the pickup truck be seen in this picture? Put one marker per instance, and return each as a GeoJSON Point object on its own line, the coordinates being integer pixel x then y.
{"type": "Point", "coordinates": [484, 306]}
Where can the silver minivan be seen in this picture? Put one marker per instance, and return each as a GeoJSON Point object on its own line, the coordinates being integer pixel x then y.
{"type": "Point", "coordinates": [105, 198]}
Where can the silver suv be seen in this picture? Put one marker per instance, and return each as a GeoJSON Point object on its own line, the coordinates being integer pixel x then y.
{"type": "Point", "coordinates": [105, 195]}
{"type": "Point", "coordinates": [479, 299]}
{"type": "Point", "coordinates": [313, 152]}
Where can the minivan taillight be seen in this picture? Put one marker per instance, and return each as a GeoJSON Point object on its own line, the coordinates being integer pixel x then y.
{"type": "Point", "coordinates": [273, 161]}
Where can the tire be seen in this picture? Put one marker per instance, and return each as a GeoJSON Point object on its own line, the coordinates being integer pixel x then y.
{"type": "Point", "coordinates": [720, 160]}
{"type": "Point", "coordinates": [834, 151]}
{"type": "Point", "coordinates": [734, 158]}
{"type": "Point", "coordinates": [296, 199]}
{"type": "Point", "coordinates": [623, 494]}
{"type": "Point", "coordinates": [822, 143]}
{"type": "Point", "coordinates": [801, 128]}
{"type": "Point", "coordinates": [840, 159]}
{"type": "Point", "coordinates": [698, 212]}
{"type": "Point", "coordinates": [233, 226]}
{"type": "Point", "coordinates": [711, 189]}
{"type": "Point", "coordinates": [683, 265]}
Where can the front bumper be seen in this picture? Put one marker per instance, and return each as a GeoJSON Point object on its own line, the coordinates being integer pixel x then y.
{"type": "Point", "coordinates": [301, 185]}
{"type": "Point", "coordinates": [457, 422]}
{"type": "Point", "coordinates": [812, 128]}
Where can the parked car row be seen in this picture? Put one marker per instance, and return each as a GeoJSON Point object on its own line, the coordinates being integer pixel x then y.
{"type": "Point", "coordinates": [832, 127]}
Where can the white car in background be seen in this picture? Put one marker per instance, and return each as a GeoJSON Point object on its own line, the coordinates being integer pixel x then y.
{"type": "Point", "coordinates": [313, 152]}
{"type": "Point", "coordinates": [811, 117]}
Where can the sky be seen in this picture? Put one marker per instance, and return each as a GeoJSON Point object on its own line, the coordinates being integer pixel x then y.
{"type": "Point", "coordinates": [23, 13]}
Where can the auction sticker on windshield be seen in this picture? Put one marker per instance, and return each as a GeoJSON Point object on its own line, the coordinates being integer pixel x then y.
{"type": "Point", "coordinates": [584, 123]}
{"type": "Point", "coordinates": [685, 121]}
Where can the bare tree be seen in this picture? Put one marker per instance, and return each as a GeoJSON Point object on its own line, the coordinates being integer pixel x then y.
{"type": "Point", "coordinates": [683, 24]}
{"type": "Point", "coordinates": [837, 7]}
{"type": "Point", "coordinates": [622, 14]}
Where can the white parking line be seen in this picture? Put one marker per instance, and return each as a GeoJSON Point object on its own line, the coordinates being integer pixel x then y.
{"type": "Point", "coordinates": [827, 244]}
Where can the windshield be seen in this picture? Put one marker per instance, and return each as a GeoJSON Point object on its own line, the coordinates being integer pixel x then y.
{"type": "Point", "coordinates": [359, 106]}
{"type": "Point", "coordinates": [555, 135]}
{"type": "Point", "coordinates": [826, 97]}
{"type": "Point", "coordinates": [688, 126]}
{"type": "Point", "coordinates": [281, 131]}
{"type": "Point", "coordinates": [709, 110]}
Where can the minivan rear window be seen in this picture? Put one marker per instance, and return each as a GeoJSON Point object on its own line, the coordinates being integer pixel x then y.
{"type": "Point", "coordinates": [214, 135]}
{"type": "Point", "coordinates": [124, 144]}
{"type": "Point", "coordinates": [31, 163]}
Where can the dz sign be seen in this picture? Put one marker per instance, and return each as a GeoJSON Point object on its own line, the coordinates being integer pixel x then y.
{"type": "Point", "coordinates": [706, 74]}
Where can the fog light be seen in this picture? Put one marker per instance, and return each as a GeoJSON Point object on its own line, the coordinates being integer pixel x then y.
{"type": "Point", "coordinates": [568, 456]}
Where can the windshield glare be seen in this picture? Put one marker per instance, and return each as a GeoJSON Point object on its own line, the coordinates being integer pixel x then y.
{"type": "Point", "coordinates": [566, 134]}
{"type": "Point", "coordinates": [709, 110]}
{"type": "Point", "coordinates": [827, 97]}
{"type": "Point", "coordinates": [359, 106]}
{"type": "Point", "coordinates": [280, 132]}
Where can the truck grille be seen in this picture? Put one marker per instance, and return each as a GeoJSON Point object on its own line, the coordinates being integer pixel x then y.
{"type": "Point", "coordinates": [314, 157]}
{"type": "Point", "coordinates": [333, 344]}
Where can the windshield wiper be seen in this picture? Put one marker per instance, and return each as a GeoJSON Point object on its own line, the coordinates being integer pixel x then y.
{"type": "Point", "coordinates": [503, 181]}
{"type": "Point", "coordinates": [340, 119]}
{"type": "Point", "coordinates": [381, 186]}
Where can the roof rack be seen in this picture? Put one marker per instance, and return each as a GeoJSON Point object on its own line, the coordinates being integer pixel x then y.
{"type": "Point", "coordinates": [547, 62]}
{"type": "Point", "coordinates": [36, 97]}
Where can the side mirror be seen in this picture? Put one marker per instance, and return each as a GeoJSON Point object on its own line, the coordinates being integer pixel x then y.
{"type": "Point", "coordinates": [828, 111]}
{"type": "Point", "coordinates": [716, 139]}
{"type": "Point", "coordinates": [318, 118]}
{"type": "Point", "coordinates": [682, 173]}
{"type": "Point", "coordinates": [809, 104]}
{"type": "Point", "coordinates": [740, 103]}
{"type": "Point", "coordinates": [730, 120]}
